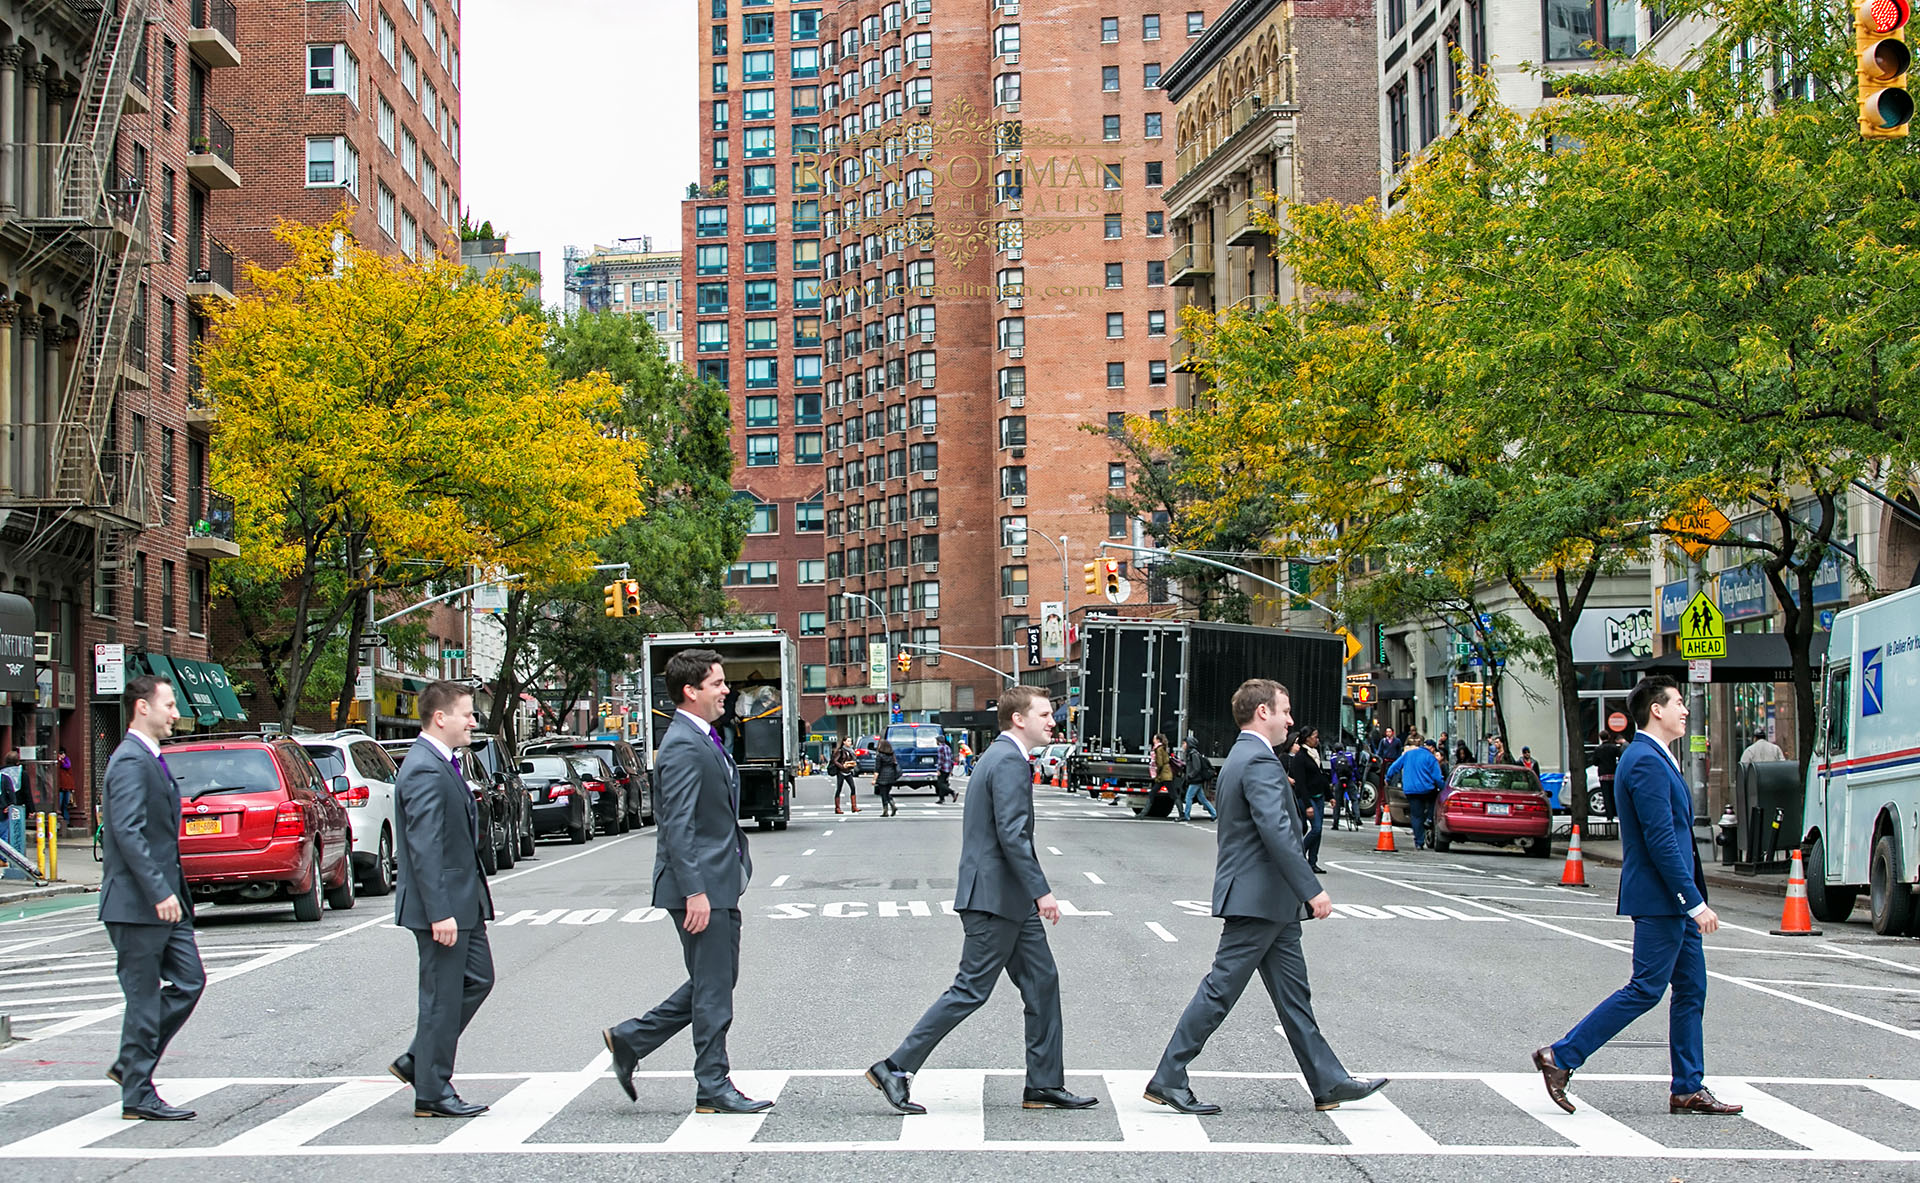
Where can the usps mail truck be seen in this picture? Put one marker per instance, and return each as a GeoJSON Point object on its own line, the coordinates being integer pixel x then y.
{"type": "Point", "coordinates": [1863, 791]}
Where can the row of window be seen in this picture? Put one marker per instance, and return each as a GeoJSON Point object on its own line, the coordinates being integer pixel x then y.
{"type": "Point", "coordinates": [1150, 27]}
{"type": "Point", "coordinates": [438, 37]}
{"type": "Point", "coordinates": [808, 518]}
{"type": "Point", "coordinates": [763, 451]}
{"type": "Point", "coordinates": [759, 295]}
{"type": "Point", "coordinates": [877, 469]}
{"type": "Point", "coordinates": [763, 410]}
{"type": "Point", "coordinates": [651, 291]}
{"type": "Point", "coordinates": [853, 650]}
{"type": "Point", "coordinates": [920, 505]}
{"type": "Point", "coordinates": [713, 258]}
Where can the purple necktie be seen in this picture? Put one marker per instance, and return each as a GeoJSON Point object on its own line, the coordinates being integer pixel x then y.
{"type": "Point", "coordinates": [714, 732]}
{"type": "Point", "coordinates": [163, 765]}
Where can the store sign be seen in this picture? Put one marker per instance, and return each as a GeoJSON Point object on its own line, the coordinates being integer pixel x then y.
{"type": "Point", "coordinates": [1613, 635]}
{"type": "Point", "coordinates": [1673, 605]}
{"type": "Point", "coordinates": [1745, 593]}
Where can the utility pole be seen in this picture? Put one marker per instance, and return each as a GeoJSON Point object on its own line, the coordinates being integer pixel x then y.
{"type": "Point", "coordinates": [1696, 755]}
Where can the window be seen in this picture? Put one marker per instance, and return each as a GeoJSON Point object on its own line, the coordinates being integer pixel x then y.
{"type": "Point", "coordinates": [923, 457]}
{"type": "Point", "coordinates": [1013, 431]}
{"type": "Point", "coordinates": [753, 574]}
{"type": "Point", "coordinates": [813, 678]}
{"type": "Point", "coordinates": [813, 570]}
{"type": "Point", "coordinates": [1112, 225]}
{"type": "Point", "coordinates": [763, 451]}
{"type": "Point", "coordinates": [710, 221]}
{"type": "Point", "coordinates": [760, 295]}
{"type": "Point", "coordinates": [1426, 77]}
{"type": "Point", "coordinates": [926, 598]}
{"type": "Point", "coordinates": [1196, 23]}
{"type": "Point", "coordinates": [1109, 29]}
{"type": "Point", "coordinates": [808, 517]}
{"type": "Point", "coordinates": [763, 333]}
{"type": "Point", "coordinates": [409, 154]}
{"type": "Point", "coordinates": [1156, 373]}
{"type": "Point", "coordinates": [332, 162]}
{"type": "Point", "coordinates": [1150, 27]}
{"type": "Point", "coordinates": [710, 259]}
{"type": "Point", "coordinates": [1116, 324]}
{"type": "Point", "coordinates": [1109, 78]}
{"type": "Point", "coordinates": [755, 28]}
{"type": "Point", "coordinates": [806, 100]}
{"type": "Point", "coordinates": [1013, 481]}
{"type": "Point", "coordinates": [1006, 88]}
{"type": "Point", "coordinates": [386, 210]}
{"type": "Point", "coordinates": [803, 62]}
{"type": "Point", "coordinates": [1116, 374]}
{"type": "Point", "coordinates": [387, 37]}
{"type": "Point", "coordinates": [1156, 323]}
{"type": "Point", "coordinates": [1013, 332]}
{"type": "Point", "coordinates": [1399, 136]}
{"type": "Point", "coordinates": [1013, 581]}
{"type": "Point", "coordinates": [386, 123]}
{"type": "Point", "coordinates": [1116, 525]}
{"type": "Point", "coordinates": [1116, 476]}
{"type": "Point", "coordinates": [1396, 16]}
{"type": "Point", "coordinates": [763, 410]}
{"type": "Point", "coordinates": [757, 66]}
{"type": "Point", "coordinates": [409, 72]}
{"type": "Point", "coordinates": [765, 519]}
{"type": "Point", "coordinates": [1110, 127]}
{"type": "Point", "coordinates": [1150, 75]}
{"type": "Point", "coordinates": [409, 234]}
{"type": "Point", "coordinates": [711, 336]}
{"type": "Point", "coordinates": [1153, 125]}
{"type": "Point", "coordinates": [1013, 381]}
{"type": "Point", "coordinates": [1155, 173]}
{"type": "Point", "coordinates": [759, 256]}
{"type": "Point", "coordinates": [428, 23]}
{"type": "Point", "coordinates": [332, 69]}
{"type": "Point", "coordinates": [806, 254]}
{"type": "Point", "coordinates": [1115, 274]}
{"type": "Point", "coordinates": [923, 412]}
{"type": "Point", "coordinates": [196, 601]}
{"type": "Point", "coordinates": [925, 503]}
{"type": "Point", "coordinates": [429, 103]}
{"type": "Point", "coordinates": [759, 180]}
{"type": "Point", "coordinates": [762, 372]}
{"type": "Point", "coordinates": [1156, 273]}
{"type": "Point", "coordinates": [1156, 223]}
{"type": "Point", "coordinates": [806, 447]}
{"type": "Point", "coordinates": [719, 77]}
{"type": "Point", "coordinates": [1006, 39]}
{"type": "Point", "coordinates": [1574, 26]}
{"type": "Point", "coordinates": [805, 25]}
{"type": "Point", "coordinates": [813, 624]}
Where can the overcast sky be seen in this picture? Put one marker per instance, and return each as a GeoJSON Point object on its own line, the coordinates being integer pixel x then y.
{"type": "Point", "coordinates": [577, 121]}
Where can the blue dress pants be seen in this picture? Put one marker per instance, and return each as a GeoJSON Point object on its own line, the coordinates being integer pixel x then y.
{"type": "Point", "coordinates": [1667, 950]}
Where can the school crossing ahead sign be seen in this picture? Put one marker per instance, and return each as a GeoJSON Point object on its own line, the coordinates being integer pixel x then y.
{"type": "Point", "coordinates": [1703, 630]}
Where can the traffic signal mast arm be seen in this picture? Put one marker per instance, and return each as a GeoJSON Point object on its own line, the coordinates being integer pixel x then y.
{"type": "Point", "coordinates": [1191, 557]}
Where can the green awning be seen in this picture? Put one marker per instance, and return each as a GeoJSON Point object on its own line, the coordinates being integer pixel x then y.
{"type": "Point", "coordinates": [223, 694]}
{"type": "Point", "coordinates": [195, 687]}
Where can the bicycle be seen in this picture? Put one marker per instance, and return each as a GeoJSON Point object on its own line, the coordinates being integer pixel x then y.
{"type": "Point", "coordinates": [99, 830]}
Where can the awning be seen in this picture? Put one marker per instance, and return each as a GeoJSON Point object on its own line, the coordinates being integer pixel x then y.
{"type": "Point", "coordinates": [195, 690]}
{"type": "Point", "coordinates": [223, 694]}
{"type": "Point", "coordinates": [1751, 657]}
{"type": "Point", "coordinates": [16, 645]}
{"type": "Point", "coordinates": [1391, 688]}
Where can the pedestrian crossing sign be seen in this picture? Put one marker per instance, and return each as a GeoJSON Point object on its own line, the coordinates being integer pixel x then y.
{"type": "Point", "coordinates": [1703, 630]}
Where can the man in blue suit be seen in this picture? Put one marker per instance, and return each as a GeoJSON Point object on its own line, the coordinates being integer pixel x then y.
{"type": "Point", "coordinates": [1663, 888]}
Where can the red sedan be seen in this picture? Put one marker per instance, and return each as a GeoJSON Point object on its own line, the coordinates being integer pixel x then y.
{"type": "Point", "coordinates": [258, 822]}
{"type": "Point", "coordinates": [1497, 803]}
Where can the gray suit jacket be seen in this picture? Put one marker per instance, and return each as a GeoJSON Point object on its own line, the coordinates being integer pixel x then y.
{"type": "Point", "coordinates": [999, 871]}
{"type": "Point", "coordinates": [1262, 869]}
{"type": "Point", "coordinates": [697, 801]}
{"type": "Point", "coordinates": [437, 844]}
{"type": "Point", "coordinates": [140, 851]}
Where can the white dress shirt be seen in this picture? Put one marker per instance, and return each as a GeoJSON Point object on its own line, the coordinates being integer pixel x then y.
{"type": "Point", "coordinates": [446, 753]}
{"type": "Point", "coordinates": [146, 741]}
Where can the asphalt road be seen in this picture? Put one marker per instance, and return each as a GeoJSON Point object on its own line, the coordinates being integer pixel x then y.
{"type": "Point", "coordinates": [1441, 971]}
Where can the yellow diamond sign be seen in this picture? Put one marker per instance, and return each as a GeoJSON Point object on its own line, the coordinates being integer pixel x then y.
{"type": "Point", "coordinates": [1703, 630]}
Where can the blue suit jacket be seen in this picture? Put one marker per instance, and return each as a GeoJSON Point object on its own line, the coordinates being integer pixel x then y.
{"type": "Point", "coordinates": [1660, 871]}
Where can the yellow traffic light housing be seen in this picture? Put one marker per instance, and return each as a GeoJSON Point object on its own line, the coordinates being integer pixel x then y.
{"type": "Point", "coordinates": [611, 592]}
{"type": "Point", "coordinates": [1111, 570]}
{"type": "Point", "coordinates": [905, 662]}
{"type": "Point", "coordinates": [630, 596]}
{"type": "Point", "coordinates": [1093, 578]}
{"type": "Point", "coordinates": [1882, 61]}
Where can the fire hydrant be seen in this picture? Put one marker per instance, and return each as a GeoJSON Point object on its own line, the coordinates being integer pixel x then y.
{"type": "Point", "coordinates": [1729, 835]}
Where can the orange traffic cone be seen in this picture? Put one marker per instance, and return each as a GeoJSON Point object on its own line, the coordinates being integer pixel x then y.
{"type": "Point", "coordinates": [1796, 919]}
{"type": "Point", "coordinates": [1385, 844]}
{"type": "Point", "coordinates": [1575, 874]}
{"type": "Point", "coordinates": [1039, 777]}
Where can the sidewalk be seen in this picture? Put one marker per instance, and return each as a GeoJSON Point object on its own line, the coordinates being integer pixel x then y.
{"type": "Point", "coordinates": [77, 872]}
{"type": "Point", "coordinates": [1606, 852]}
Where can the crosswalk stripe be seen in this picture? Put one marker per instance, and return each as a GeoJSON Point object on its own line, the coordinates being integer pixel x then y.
{"type": "Point", "coordinates": [307, 1121]}
{"type": "Point", "coordinates": [20, 1090]}
{"type": "Point", "coordinates": [956, 1116]}
{"type": "Point", "coordinates": [1144, 1123]}
{"type": "Point", "coordinates": [1587, 1127]}
{"type": "Point", "coordinates": [730, 1131]}
{"type": "Point", "coordinates": [1789, 1121]}
{"type": "Point", "coordinates": [104, 1122]}
{"type": "Point", "coordinates": [1378, 1126]}
{"type": "Point", "coordinates": [1907, 1092]}
{"type": "Point", "coordinates": [519, 1115]}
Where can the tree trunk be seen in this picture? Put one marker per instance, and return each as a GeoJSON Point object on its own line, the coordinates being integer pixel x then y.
{"type": "Point", "coordinates": [1560, 620]}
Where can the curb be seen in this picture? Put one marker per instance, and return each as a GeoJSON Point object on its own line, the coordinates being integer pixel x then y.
{"type": "Point", "coordinates": [1752, 885]}
{"type": "Point", "coordinates": [42, 893]}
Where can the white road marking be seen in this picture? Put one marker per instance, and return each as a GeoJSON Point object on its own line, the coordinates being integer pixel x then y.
{"type": "Point", "coordinates": [308, 1120]}
{"type": "Point", "coordinates": [1377, 1126]}
{"type": "Point", "coordinates": [806, 852]}
{"type": "Point", "coordinates": [956, 1111]}
{"type": "Point", "coordinates": [519, 1115]}
{"type": "Point", "coordinates": [1093, 878]}
{"type": "Point", "coordinates": [709, 1132]}
{"type": "Point", "coordinates": [782, 881]}
{"type": "Point", "coordinates": [1143, 1123]}
{"type": "Point", "coordinates": [93, 1016]}
{"type": "Point", "coordinates": [1586, 1127]}
{"type": "Point", "coordinates": [1053, 850]}
{"type": "Point", "coordinates": [104, 1122]}
{"type": "Point", "coordinates": [1789, 1121]}
{"type": "Point", "coordinates": [1159, 930]}
{"type": "Point", "coordinates": [1835, 985]}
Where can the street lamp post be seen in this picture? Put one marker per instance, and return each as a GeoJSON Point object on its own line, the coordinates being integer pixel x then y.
{"type": "Point", "coordinates": [886, 632]}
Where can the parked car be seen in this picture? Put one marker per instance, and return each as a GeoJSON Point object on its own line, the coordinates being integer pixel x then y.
{"type": "Point", "coordinates": [1053, 760]}
{"type": "Point", "coordinates": [368, 797]}
{"type": "Point", "coordinates": [504, 773]}
{"type": "Point", "coordinates": [624, 763]}
{"type": "Point", "coordinates": [1497, 803]}
{"type": "Point", "coordinates": [916, 749]}
{"type": "Point", "coordinates": [258, 822]}
{"type": "Point", "coordinates": [489, 800]}
{"type": "Point", "coordinates": [560, 801]}
{"type": "Point", "coordinates": [605, 793]}
{"type": "Point", "coordinates": [863, 753]}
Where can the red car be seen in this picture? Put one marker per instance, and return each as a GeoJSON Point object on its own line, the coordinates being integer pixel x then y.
{"type": "Point", "coordinates": [1497, 803]}
{"type": "Point", "coordinates": [258, 822]}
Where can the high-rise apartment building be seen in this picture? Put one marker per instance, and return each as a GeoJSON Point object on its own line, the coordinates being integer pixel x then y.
{"type": "Point", "coordinates": [980, 186]}
{"type": "Point", "coordinates": [108, 525]}
{"type": "Point", "coordinates": [633, 279]}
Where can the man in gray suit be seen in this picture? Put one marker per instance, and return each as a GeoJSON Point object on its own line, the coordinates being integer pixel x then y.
{"type": "Point", "coordinates": [144, 900]}
{"type": "Point", "coordinates": [1002, 897]}
{"type": "Point", "coordinates": [700, 869]}
{"type": "Point", "coordinates": [441, 894]}
{"type": "Point", "coordinates": [1262, 885]}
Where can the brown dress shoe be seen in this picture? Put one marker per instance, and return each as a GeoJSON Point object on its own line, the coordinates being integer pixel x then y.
{"type": "Point", "coordinates": [1556, 1078]}
{"type": "Point", "coordinates": [1701, 1102]}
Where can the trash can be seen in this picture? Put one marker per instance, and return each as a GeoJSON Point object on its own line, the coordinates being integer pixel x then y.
{"type": "Point", "coordinates": [1768, 800]}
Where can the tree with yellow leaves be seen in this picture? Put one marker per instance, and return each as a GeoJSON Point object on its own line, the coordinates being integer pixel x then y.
{"type": "Point", "coordinates": [384, 423]}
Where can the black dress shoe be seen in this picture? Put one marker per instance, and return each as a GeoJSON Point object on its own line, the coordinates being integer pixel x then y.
{"type": "Point", "coordinates": [156, 1110]}
{"type": "Point", "coordinates": [402, 1068]}
{"type": "Point", "coordinates": [624, 1063]}
{"type": "Point", "coordinates": [451, 1107]}
{"type": "Point", "coordinates": [113, 1074]}
{"type": "Point", "coordinates": [1351, 1089]}
{"type": "Point", "coordinates": [730, 1101]}
{"type": "Point", "coordinates": [1180, 1101]}
{"type": "Point", "coordinates": [893, 1086]}
{"type": "Point", "coordinates": [1055, 1099]}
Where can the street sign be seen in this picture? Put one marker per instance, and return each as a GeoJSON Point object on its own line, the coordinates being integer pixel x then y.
{"type": "Point", "coordinates": [363, 683]}
{"type": "Point", "coordinates": [1699, 671]}
{"type": "Point", "coordinates": [1703, 630]}
{"type": "Point", "coordinates": [454, 654]}
{"type": "Point", "coordinates": [374, 640]}
{"type": "Point", "coordinates": [109, 669]}
{"type": "Point", "coordinates": [877, 665]}
{"type": "Point", "coordinates": [1702, 523]}
{"type": "Point", "coordinates": [1353, 643]}
{"type": "Point", "coordinates": [1053, 630]}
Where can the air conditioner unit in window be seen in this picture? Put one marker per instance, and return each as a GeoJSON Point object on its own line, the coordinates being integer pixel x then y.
{"type": "Point", "coordinates": [1010, 8]}
{"type": "Point", "coordinates": [927, 336]}
{"type": "Point", "coordinates": [1019, 500]}
{"type": "Point", "coordinates": [926, 199]}
{"type": "Point", "coordinates": [1016, 302]}
{"type": "Point", "coordinates": [933, 614]}
{"type": "Point", "coordinates": [1013, 255]}
{"type": "Point", "coordinates": [1019, 453]}
{"type": "Point", "coordinates": [1017, 352]}
{"type": "Point", "coordinates": [1019, 552]}
{"type": "Point", "coordinates": [927, 430]}
{"type": "Point", "coordinates": [1012, 108]}
{"type": "Point", "coordinates": [1018, 400]}
{"type": "Point", "coordinates": [1019, 601]}
{"type": "Point", "coordinates": [925, 18]}
{"type": "Point", "coordinates": [926, 108]}
{"type": "Point", "coordinates": [930, 568]}
{"type": "Point", "coordinates": [1013, 203]}
{"type": "Point", "coordinates": [1013, 59]}
{"type": "Point", "coordinates": [923, 63]}
{"type": "Point", "coordinates": [928, 475]}
{"type": "Point", "coordinates": [926, 383]}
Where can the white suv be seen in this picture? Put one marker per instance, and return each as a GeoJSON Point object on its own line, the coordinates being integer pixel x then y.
{"type": "Point", "coordinates": [369, 774]}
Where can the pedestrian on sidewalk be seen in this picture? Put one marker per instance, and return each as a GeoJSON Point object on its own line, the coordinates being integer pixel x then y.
{"type": "Point", "coordinates": [845, 764]}
{"type": "Point", "coordinates": [700, 870]}
{"type": "Point", "coordinates": [1310, 783]}
{"type": "Point", "coordinates": [441, 896]}
{"type": "Point", "coordinates": [65, 774]}
{"type": "Point", "coordinates": [1002, 898]}
{"type": "Point", "coordinates": [1420, 781]}
{"type": "Point", "coordinates": [1161, 757]}
{"type": "Point", "coordinates": [1199, 771]}
{"type": "Point", "coordinates": [886, 774]}
{"type": "Point", "coordinates": [144, 901]}
{"type": "Point", "coordinates": [1664, 889]}
{"type": "Point", "coordinates": [1262, 889]}
{"type": "Point", "coordinates": [1388, 748]}
{"type": "Point", "coordinates": [943, 783]}
{"type": "Point", "coordinates": [1761, 750]}
{"type": "Point", "coordinates": [1529, 763]}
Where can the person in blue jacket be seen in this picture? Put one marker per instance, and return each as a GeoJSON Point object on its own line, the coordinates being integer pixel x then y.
{"type": "Point", "coordinates": [1421, 780]}
{"type": "Point", "coordinates": [1665, 891]}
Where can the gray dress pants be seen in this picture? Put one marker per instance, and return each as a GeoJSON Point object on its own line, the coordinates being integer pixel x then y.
{"type": "Point", "coordinates": [995, 943]}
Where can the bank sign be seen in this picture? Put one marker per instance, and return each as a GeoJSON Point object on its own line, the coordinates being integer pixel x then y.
{"type": "Point", "coordinates": [1745, 593]}
{"type": "Point", "coordinates": [1613, 635]}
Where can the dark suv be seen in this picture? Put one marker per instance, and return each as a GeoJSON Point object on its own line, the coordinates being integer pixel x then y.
{"type": "Point", "coordinates": [500, 837]}
{"type": "Point", "coordinates": [618, 755]}
{"type": "Point", "coordinates": [258, 822]}
{"type": "Point", "coordinates": [504, 774]}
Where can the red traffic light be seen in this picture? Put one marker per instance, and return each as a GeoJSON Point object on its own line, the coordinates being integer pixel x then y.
{"type": "Point", "coordinates": [1884, 16]}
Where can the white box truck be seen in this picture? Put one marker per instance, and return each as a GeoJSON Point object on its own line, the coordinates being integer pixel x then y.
{"type": "Point", "coordinates": [761, 726]}
{"type": "Point", "coordinates": [1863, 787]}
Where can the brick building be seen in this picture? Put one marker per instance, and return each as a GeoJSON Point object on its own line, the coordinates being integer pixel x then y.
{"type": "Point", "coordinates": [107, 526]}
{"type": "Point", "coordinates": [633, 279]}
{"type": "Point", "coordinates": [985, 199]}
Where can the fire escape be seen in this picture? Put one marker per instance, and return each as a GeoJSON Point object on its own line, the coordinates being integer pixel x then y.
{"type": "Point", "coordinates": [86, 216]}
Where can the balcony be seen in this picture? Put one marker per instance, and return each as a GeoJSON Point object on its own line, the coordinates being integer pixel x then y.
{"type": "Point", "coordinates": [210, 149]}
{"type": "Point", "coordinates": [1180, 357]}
{"type": "Point", "coordinates": [213, 33]}
{"type": "Point", "coordinates": [210, 272]}
{"type": "Point", "coordinates": [201, 411]}
{"type": "Point", "coordinates": [1244, 225]}
{"type": "Point", "coordinates": [138, 100]}
{"type": "Point", "coordinates": [1192, 261]}
{"type": "Point", "coordinates": [133, 363]}
{"type": "Point", "coordinates": [210, 533]}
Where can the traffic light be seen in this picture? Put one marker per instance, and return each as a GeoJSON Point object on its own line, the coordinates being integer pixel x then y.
{"type": "Point", "coordinates": [1110, 569]}
{"type": "Point", "coordinates": [611, 592]}
{"type": "Point", "coordinates": [1882, 59]}
{"type": "Point", "coordinates": [630, 596]}
{"type": "Point", "coordinates": [905, 662]}
{"type": "Point", "coordinates": [1093, 578]}
{"type": "Point", "coordinates": [1363, 697]}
